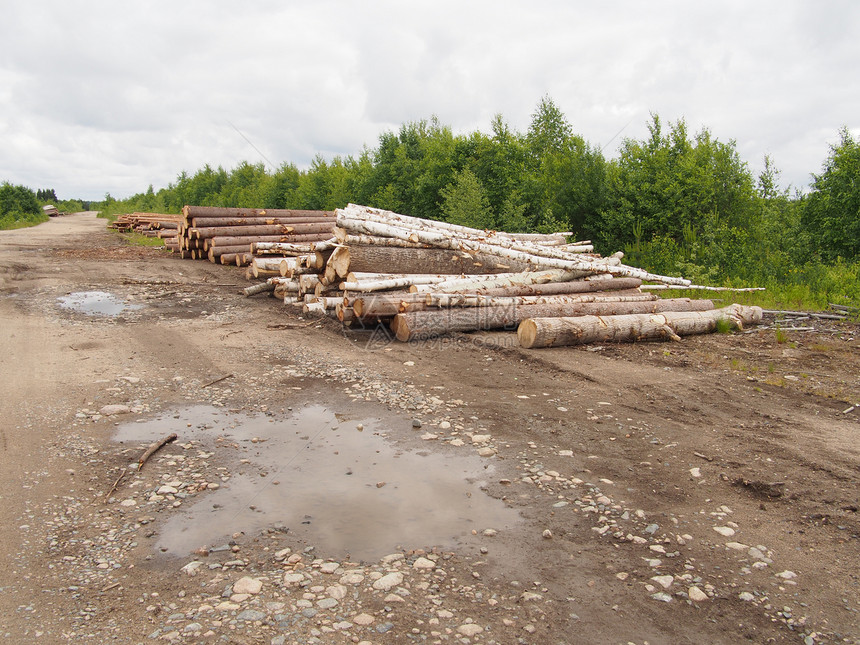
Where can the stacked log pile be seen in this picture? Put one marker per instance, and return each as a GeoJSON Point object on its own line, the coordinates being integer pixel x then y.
{"type": "Point", "coordinates": [425, 278]}
{"type": "Point", "coordinates": [158, 225]}
{"type": "Point", "coordinates": [226, 235]}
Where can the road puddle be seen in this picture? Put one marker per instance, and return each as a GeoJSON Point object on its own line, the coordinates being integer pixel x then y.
{"type": "Point", "coordinates": [95, 303]}
{"type": "Point", "coordinates": [316, 475]}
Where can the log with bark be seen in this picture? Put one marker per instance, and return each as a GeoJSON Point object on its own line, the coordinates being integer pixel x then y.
{"type": "Point", "coordinates": [557, 332]}
{"type": "Point", "coordinates": [436, 322]}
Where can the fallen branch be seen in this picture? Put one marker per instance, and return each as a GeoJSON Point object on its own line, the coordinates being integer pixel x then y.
{"type": "Point", "coordinates": [217, 380]}
{"type": "Point", "coordinates": [153, 448]}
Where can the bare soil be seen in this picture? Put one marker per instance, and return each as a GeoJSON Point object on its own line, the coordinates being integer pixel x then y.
{"type": "Point", "coordinates": [616, 464]}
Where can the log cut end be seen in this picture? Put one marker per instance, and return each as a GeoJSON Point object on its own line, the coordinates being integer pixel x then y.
{"type": "Point", "coordinates": [527, 333]}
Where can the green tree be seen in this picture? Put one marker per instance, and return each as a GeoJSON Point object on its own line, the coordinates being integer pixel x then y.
{"type": "Point", "coordinates": [464, 202]}
{"type": "Point", "coordinates": [831, 213]}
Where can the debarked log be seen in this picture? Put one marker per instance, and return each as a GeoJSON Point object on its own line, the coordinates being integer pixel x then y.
{"type": "Point", "coordinates": [558, 332]}
{"type": "Point", "coordinates": [416, 260]}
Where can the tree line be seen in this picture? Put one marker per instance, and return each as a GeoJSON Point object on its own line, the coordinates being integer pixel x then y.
{"type": "Point", "coordinates": [674, 202]}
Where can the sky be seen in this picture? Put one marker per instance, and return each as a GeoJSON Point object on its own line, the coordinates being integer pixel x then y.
{"type": "Point", "coordinates": [110, 97]}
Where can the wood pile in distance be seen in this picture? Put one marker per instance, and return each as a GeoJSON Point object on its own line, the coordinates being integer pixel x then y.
{"type": "Point", "coordinates": [159, 225]}
{"type": "Point", "coordinates": [226, 235]}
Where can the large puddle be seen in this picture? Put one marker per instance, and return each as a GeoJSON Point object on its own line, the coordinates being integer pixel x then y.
{"type": "Point", "coordinates": [349, 491]}
{"type": "Point", "coordinates": [95, 303]}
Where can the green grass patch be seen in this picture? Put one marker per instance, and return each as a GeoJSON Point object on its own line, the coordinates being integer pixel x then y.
{"type": "Point", "coordinates": [136, 239]}
{"type": "Point", "coordinates": [17, 220]}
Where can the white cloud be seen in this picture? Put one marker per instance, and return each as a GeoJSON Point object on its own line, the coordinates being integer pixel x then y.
{"type": "Point", "coordinates": [102, 97]}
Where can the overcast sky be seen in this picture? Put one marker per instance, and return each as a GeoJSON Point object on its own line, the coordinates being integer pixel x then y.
{"type": "Point", "coordinates": [100, 97]}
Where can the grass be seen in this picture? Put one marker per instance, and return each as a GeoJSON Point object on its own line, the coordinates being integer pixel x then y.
{"type": "Point", "coordinates": [8, 222]}
{"type": "Point", "coordinates": [136, 239]}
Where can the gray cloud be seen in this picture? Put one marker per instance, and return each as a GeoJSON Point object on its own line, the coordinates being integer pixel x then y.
{"type": "Point", "coordinates": [102, 97]}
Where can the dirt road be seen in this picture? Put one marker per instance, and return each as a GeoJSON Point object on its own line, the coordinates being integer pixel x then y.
{"type": "Point", "coordinates": [330, 487]}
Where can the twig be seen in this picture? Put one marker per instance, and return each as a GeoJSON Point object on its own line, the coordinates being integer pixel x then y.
{"type": "Point", "coordinates": [217, 380]}
{"type": "Point", "coordinates": [111, 586]}
{"type": "Point", "coordinates": [153, 448]}
{"type": "Point", "coordinates": [115, 484]}
{"type": "Point", "coordinates": [705, 457]}
{"type": "Point", "coordinates": [291, 325]}
{"type": "Point", "coordinates": [853, 407]}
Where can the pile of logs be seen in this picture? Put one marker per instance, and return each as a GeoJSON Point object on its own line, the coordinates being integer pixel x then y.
{"type": "Point", "coordinates": [158, 225]}
{"type": "Point", "coordinates": [424, 278]}
{"type": "Point", "coordinates": [227, 235]}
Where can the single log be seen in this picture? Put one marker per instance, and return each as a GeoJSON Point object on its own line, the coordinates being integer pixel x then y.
{"type": "Point", "coordinates": [385, 305]}
{"type": "Point", "coordinates": [699, 287]}
{"type": "Point", "coordinates": [468, 300]}
{"type": "Point", "coordinates": [270, 264]}
{"type": "Point", "coordinates": [216, 211]}
{"type": "Point", "coordinates": [413, 260]}
{"type": "Point", "coordinates": [321, 231]}
{"type": "Point", "coordinates": [558, 332]}
{"type": "Point", "coordinates": [228, 258]}
{"type": "Point", "coordinates": [214, 253]}
{"type": "Point", "coordinates": [204, 222]}
{"type": "Point", "coordinates": [469, 285]}
{"type": "Point", "coordinates": [435, 322]}
{"type": "Point", "coordinates": [390, 283]}
{"type": "Point", "coordinates": [570, 287]}
{"type": "Point", "coordinates": [262, 287]}
{"type": "Point", "coordinates": [345, 238]}
{"type": "Point", "coordinates": [281, 248]}
{"type": "Point", "coordinates": [247, 240]}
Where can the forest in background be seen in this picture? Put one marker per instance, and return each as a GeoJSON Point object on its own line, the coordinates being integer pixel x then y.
{"type": "Point", "coordinates": [676, 203]}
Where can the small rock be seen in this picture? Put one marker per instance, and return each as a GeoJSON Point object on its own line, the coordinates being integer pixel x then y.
{"type": "Point", "coordinates": [331, 567]}
{"type": "Point", "coordinates": [110, 410]}
{"type": "Point", "coordinates": [327, 603]}
{"type": "Point", "coordinates": [662, 596]}
{"type": "Point", "coordinates": [416, 423]}
{"type": "Point", "coordinates": [388, 581]}
{"type": "Point", "coordinates": [424, 563]}
{"type": "Point", "coordinates": [251, 615]}
{"type": "Point", "coordinates": [486, 452]}
{"type": "Point", "coordinates": [470, 629]}
{"type": "Point", "coordinates": [191, 568]}
{"type": "Point", "coordinates": [725, 531]}
{"type": "Point", "coordinates": [746, 596]}
{"type": "Point", "coordinates": [663, 581]}
{"type": "Point", "coordinates": [696, 595]}
{"type": "Point", "coordinates": [547, 534]}
{"type": "Point", "coordinates": [695, 472]}
{"type": "Point", "coordinates": [736, 546]}
{"type": "Point", "coordinates": [247, 585]}
{"type": "Point", "coordinates": [363, 619]}
{"type": "Point", "coordinates": [786, 575]}
{"type": "Point", "coordinates": [292, 579]}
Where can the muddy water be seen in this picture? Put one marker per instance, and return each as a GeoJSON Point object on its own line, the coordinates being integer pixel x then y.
{"type": "Point", "coordinates": [95, 303]}
{"type": "Point", "coordinates": [316, 475]}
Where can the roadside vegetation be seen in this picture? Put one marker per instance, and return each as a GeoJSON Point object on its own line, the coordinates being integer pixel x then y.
{"type": "Point", "coordinates": [676, 203]}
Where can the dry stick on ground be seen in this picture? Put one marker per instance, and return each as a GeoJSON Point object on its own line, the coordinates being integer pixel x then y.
{"type": "Point", "coordinates": [217, 380]}
{"type": "Point", "coordinates": [153, 448]}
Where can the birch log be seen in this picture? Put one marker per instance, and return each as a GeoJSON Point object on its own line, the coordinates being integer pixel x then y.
{"type": "Point", "coordinates": [557, 332]}
{"type": "Point", "coordinates": [469, 300]}
{"type": "Point", "coordinates": [569, 287]}
{"type": "Point", "coordinates": [431, 323]}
